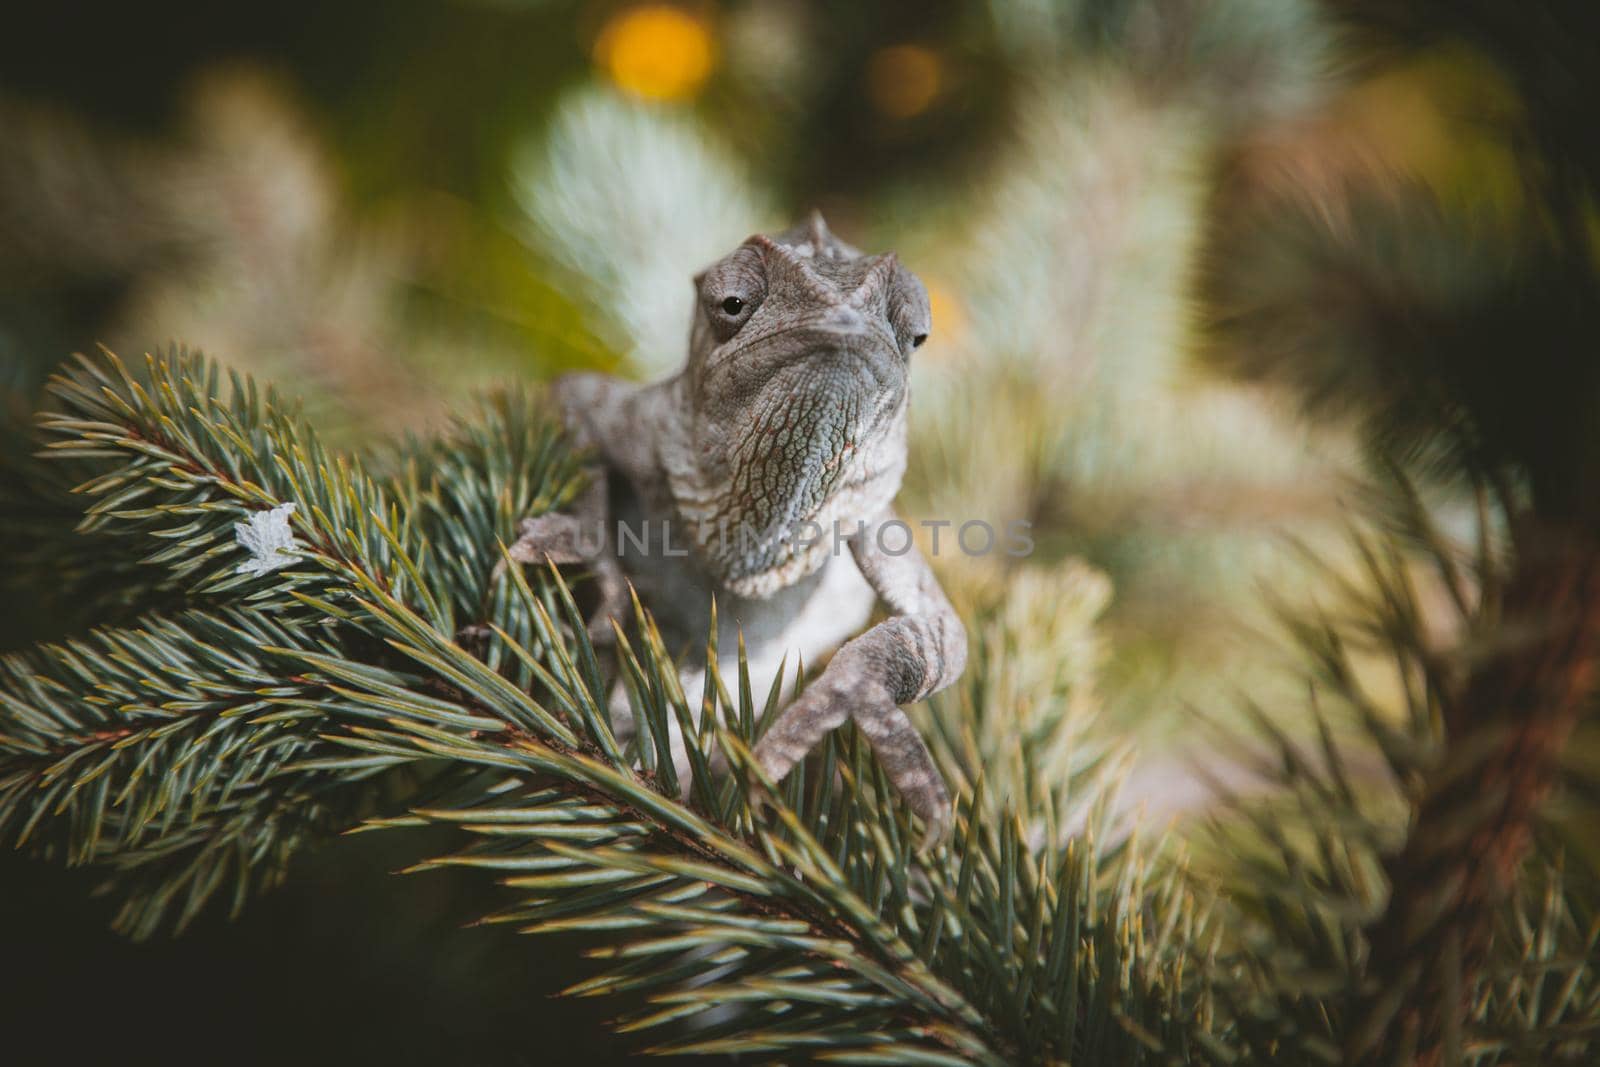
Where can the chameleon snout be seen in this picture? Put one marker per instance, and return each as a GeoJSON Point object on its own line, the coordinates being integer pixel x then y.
{"type": "Point", "coordinates": [842, 318]}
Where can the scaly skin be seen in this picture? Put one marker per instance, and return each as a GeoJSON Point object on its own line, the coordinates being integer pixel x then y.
{"type": "Point", "coordinates": [791, 409]}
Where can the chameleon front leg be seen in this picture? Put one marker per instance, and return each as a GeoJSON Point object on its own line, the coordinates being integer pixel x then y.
{"type": "Point", "coordinates": [919, 650]}
{"type": "Point", "coordinates": [592, 408]}
{"type": "Point", "coordinates": [579, 535]}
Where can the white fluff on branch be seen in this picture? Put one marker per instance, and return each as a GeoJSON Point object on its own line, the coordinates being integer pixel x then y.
{"type": "Point", "coordinates": [269, 540]}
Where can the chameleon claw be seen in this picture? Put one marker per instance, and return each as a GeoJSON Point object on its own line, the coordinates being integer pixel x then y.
{"type": "Point", "coordinates": [553, 537]}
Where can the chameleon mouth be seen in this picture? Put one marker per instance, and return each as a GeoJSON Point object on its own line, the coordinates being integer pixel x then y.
{"type": "Point", "coordinates": [847, 338]}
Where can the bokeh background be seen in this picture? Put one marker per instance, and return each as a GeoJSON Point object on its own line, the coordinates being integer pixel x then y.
{"type": "Point", "coordinates": [1148, 229]}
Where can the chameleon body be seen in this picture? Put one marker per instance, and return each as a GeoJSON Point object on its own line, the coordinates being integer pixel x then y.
{"type": "Point", "coordinates": [763, 474]}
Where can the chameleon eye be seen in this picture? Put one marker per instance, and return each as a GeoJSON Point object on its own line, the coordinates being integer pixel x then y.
{"type": "Point", "coordinates": [728, 292]}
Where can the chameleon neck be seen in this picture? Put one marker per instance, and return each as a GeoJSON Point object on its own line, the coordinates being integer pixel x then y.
{"type": "Point", "coordinates": [817, 448]}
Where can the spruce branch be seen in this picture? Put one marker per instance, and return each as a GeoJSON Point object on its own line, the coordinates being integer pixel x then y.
{"type": "Point", "coordinates": [197, 747]}
{"type": "Point", "coordinates": [124, 728]}
{"type": "Point", "coordinates": [990, 952]}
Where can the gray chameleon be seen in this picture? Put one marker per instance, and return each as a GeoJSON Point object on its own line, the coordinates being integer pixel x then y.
{"type": "Point", "coordinates": [763, 474]}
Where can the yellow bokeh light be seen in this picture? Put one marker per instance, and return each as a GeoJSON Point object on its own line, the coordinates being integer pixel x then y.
{"type": "Point", "coordinates": [656, 51]}
{"type": "Point", "coordinates": [903, 80]}
{"type": "Point", "coordinates": [949, 320]}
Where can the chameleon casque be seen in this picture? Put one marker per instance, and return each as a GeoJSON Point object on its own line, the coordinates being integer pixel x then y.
{"type": "Point", "coordinates": [789, 415]}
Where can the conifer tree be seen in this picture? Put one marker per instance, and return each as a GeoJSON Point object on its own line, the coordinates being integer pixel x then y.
{"type": "Point", "coordinates": [274, 643]}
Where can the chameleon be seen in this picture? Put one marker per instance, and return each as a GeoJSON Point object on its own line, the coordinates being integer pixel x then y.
{"type": "Point", "coordinates": [763, 474]}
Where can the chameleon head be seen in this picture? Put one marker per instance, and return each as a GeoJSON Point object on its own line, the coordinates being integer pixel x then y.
{"type": "Point", "coordinates": [797, 373]}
